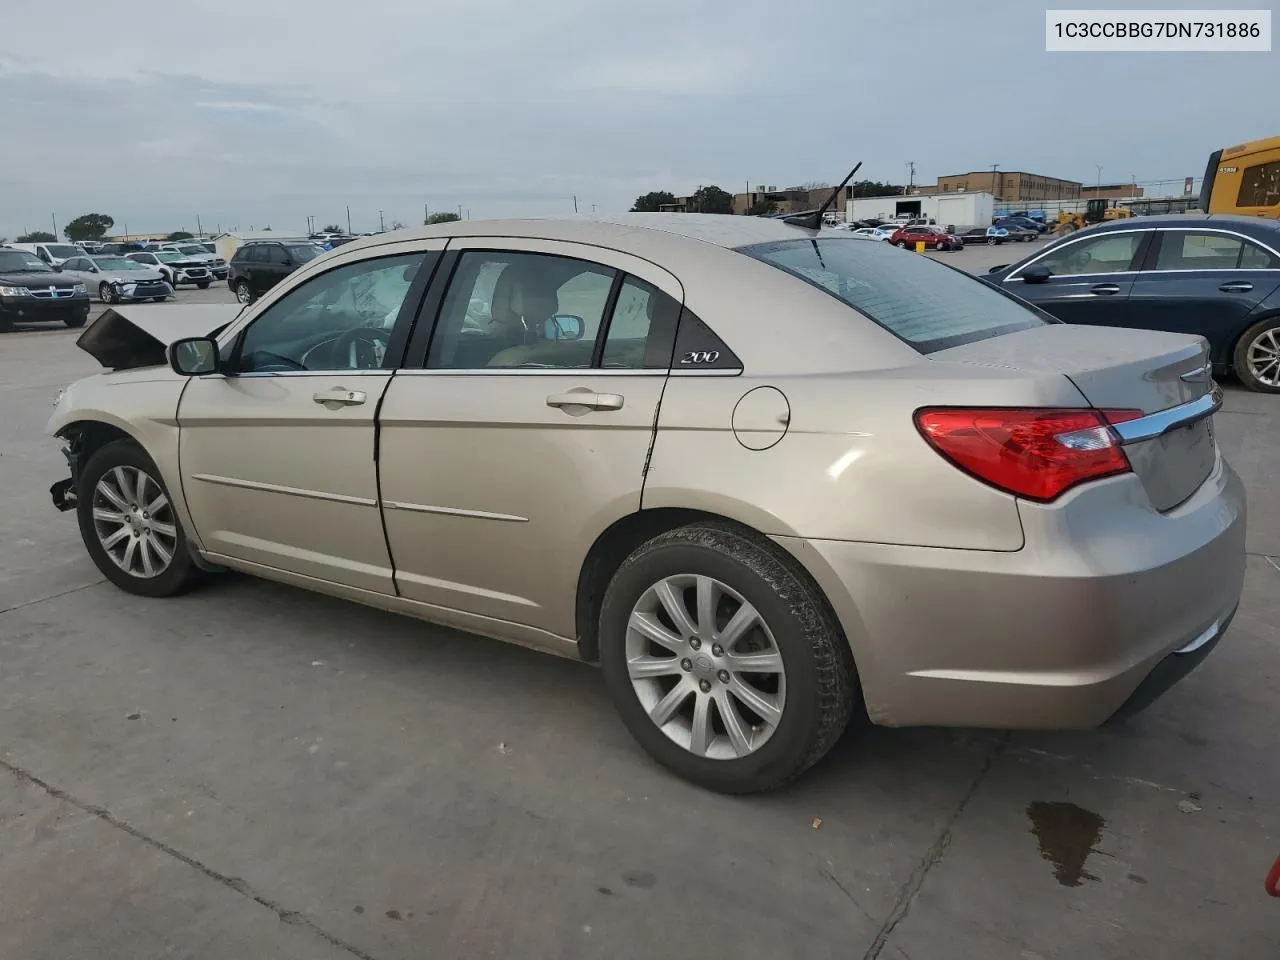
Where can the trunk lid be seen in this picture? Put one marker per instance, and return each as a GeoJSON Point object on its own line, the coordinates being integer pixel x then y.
{"type": "Point", "coordinates": [131, 335]}
{"type": "Point", "coordinates": [1165, 376]}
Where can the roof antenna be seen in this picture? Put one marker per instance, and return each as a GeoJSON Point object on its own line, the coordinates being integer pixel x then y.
{"type": "Point", "coordinates": [812, 219]}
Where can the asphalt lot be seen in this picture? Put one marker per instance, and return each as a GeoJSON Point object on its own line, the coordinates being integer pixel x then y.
{"type": "Point", "coordinates": [252, 771]}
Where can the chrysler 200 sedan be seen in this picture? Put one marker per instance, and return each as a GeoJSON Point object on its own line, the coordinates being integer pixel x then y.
{"type": "Point", "coordinates": [763, 475]}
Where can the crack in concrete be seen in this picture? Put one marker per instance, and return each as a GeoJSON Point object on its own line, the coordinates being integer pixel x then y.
{"type": "Point", "coordinates": [234, 883]}
{"type": "Point", "coordinates": [910, 889]}
{"type": "Point", "coordinates": [53, 596]}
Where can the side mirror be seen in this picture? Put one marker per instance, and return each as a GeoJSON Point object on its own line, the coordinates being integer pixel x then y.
{"type": "Point", "coordinates": [194, 356]}
{"type": "Point", "coordinates": [563, 326]}
{"type": "Point", "coordinates": [1037, 275]}
{"type": "Point", "coordinates": [57, 268]}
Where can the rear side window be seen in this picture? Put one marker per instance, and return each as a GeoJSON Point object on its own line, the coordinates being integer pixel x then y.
{"type": "Point", "coordinates": [928, 305]}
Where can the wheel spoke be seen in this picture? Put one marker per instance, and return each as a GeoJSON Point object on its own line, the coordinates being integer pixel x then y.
{"type": "Point", "coordinates": [733, 724]}
{"type": "Point", "coordinates": [673, 603]}
{"type": "Point", "coordinates": [701, 733]}
{"type": "Point", "coordinates": [665, 708]}
{"type": "Point", "coordinates": [144, 554]}
{"type": "Point", "coordinates": [164, 529]}
{"type": "Point", "coordinates": [110, 494]}
{"type": "Point", "coordinates": [706, 604]}
{"type": "Point", "coordinates": [765, 661]}
{"type": "Point", "coordinates": [125, 484]}
{"type": "Point", "coordinates": [126, 562]}
{"type": "Point", "coordinates": [110, 541]}
{"type": "Point", "coordinates": [158, 504]}
{"type": "Point", "coordinates": [103, 515]}
{"type": "Point", "coordinates": [743, 619]}
{"type": "Point", "coordinates": [653, 667]}
{"type": "Point", "coordinates": [762, 705]}
{"type": "Point", "coordinates": [647, 625]}
{"type": "Point", "coordinates": [162, 552]}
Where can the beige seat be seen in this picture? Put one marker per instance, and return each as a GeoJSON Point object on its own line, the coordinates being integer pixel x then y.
{"type": "Point", "coordinates": [523, 300]}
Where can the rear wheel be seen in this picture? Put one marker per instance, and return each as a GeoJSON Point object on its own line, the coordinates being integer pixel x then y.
{"type": "Point", "coordinates": [724, 661]}
{"type": "Point", "coordinates": [1257, 356]}
{"type": "Point", "coordinates": [902, 244]}
{"type": "Point", "coordinates": [128, 523]}
{"type": "Point", "coordinates": [242, 291]}
{"type": "Point", "coordinates": [940, 245]}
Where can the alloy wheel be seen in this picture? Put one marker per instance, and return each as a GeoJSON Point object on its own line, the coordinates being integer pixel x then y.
{"type": "Point", "coordinates": [242, 292]}
{"type": "Point", "coordinates": [134, 522]}
{"type": "Point", "coordinates": [1264, 357]}
{"type": "Point", "coordinates": [705, 667]}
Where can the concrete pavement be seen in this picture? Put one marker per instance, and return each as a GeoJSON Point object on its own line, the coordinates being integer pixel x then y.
{"type": "Point", "coordinates": [251, 771]}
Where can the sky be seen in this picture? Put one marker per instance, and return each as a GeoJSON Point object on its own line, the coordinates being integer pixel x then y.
{"type": "Point", "coordinates": [249, 113]}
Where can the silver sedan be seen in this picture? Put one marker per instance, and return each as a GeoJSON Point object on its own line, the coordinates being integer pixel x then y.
{"type": "Point", "coordinates": [118, 279]}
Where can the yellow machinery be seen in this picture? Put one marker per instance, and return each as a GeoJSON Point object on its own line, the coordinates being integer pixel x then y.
{"type": "Point", "coordinates": [1097, 211]}
{"type": "Point", "coordinates": [1244, 179]}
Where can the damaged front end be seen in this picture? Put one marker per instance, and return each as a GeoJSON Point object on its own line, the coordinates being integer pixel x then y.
{"type": "Point", "coordinates": [64, 491]}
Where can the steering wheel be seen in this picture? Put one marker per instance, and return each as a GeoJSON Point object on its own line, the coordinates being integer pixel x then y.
{"type": "Point", "coordinates": [363, 348]}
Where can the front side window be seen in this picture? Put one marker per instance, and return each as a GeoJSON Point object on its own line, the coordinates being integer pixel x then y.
{"type": "Point", "coordinates": [1108, 253]}
{"type": "Point", "coordinates": [19, 261]}
{"type": "Point", "coordinates": [506, 309]}
{"type": "Point", "coordinates": [339, 320]}
{"type": "Point", "coordinates": [1260, 186]}
{"type": "Point", "coordinates": [922, 302]}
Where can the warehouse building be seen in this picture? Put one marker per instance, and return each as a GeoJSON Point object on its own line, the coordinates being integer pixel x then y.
{"type": "Point", "coordinates": [960, 210]}
{"type": "Point", "coordinates": [1011, 186]}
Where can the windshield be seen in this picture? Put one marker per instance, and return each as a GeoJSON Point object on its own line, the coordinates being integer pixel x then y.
{"type": "Point", "coordinates": [193, 248]}
{"type": "Point", "coordinates": [928, 305]}
{"type": "Point", "coordinates": [19, 261]}
{"type": "Point", "coordinates": [118, 263]}
{"type": "Point", "coordinates": [303, 252]}
{"type": "Point", "coordinates": [168, 256]}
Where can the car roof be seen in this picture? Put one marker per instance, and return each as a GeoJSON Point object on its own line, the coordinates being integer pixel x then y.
{"type": "Point", "coordinates": [1260, 227]}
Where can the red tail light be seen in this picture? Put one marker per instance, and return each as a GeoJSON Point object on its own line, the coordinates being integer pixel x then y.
{"type": "Point", "coordinates": [1033, 453]}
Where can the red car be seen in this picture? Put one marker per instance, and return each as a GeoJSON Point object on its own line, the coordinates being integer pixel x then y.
{"type": "Point", "coordinates": [934, 238]}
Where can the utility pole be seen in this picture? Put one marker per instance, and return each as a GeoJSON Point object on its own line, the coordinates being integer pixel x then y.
{"type": "Point", "coordinates": [426, 215]}
{"type": "Point", "coordinates": [382, 226]}
{"type": "Point", "coordinates": [459, 211]}
{"type": "Point", "coordinates": [54, 220]}
{"type": "Point", "coordinates": [1099, 166]}
{"type": "Point", "coordinates": [593, 208]}
{"type": "Point", "coordinates": [348, 219]}
{"type": "Point", "coordinates": [575, 203]}
{"type": "Point", "coordinates": [199, 228]}
{"type": "Point", "coordinates": [911, 176]}
{"type": "Point", "coordinates": [997, 182]}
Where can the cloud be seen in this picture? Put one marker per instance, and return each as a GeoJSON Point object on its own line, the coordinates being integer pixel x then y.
{"type": "Point", "coordinates": [512, 108]}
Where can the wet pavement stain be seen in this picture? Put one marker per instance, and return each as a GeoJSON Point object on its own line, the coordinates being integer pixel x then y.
{"type": "Point", "coordinates": [1067, 835]}
{"type": "Point", "coordinates": [639, 878]}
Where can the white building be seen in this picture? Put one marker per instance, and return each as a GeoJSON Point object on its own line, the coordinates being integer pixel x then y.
{"type": "Point", "coordinates": [959, 210]}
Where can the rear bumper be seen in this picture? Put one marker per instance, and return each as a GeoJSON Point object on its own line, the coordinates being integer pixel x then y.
{"type": "Point", "coordinates": [1081, 625]}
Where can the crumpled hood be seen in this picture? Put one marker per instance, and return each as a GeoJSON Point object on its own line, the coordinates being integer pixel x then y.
{"type": "Point", "coordinates": [136, 335]}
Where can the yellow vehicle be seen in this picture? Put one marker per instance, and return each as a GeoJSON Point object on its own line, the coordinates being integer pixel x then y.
{"type": "Point", "coordinates": [1097, 211]}
{"type": "Point", "coordinates": [1244, 179]}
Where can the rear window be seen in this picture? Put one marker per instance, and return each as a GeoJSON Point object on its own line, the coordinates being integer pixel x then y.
{"type": "Point", "coordinates": [928, 305]}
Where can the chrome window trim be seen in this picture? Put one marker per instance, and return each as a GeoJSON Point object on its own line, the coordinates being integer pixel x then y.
{"type": "Point", "coordinates": [1157, 424]}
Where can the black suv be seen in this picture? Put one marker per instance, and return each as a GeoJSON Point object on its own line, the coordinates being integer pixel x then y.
{"type": "Point", "coordinates": [31, 291]}
{"type": "Point", "coordinates": [259, 265]}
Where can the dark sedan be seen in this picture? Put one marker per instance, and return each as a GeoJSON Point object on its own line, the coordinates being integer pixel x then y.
{"type": "Point", "coordinates": [1018, 232]}
{"type": "Point", "coordinates": [1217, 276]}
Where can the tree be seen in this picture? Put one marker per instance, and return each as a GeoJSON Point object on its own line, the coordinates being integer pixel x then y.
{"type": "Point", "coordinates": [874, 188]}
{"type": "Point", "coordinates": [762, 208]}
{"type": "Point", "coordinates": [180, 235]}
{"type": "Point", "coordinates": [812, 185]}
{"type": "Point", "coordinates": [443, 217]}
{"type": "Point", "coordinates": [89, 226]}
{"type": "Point", "coordinates": [711, 200]}
{"type": "Point", "coordinates": [267, 228]}
{"type": "Point", "coordinates": [652, 202]}
{"type": "Point", "coordinates": [397, 225]}
{"type": "Point", "coordinates": [37, 236]}
{"type": "Point", "coordinates": [332, 228]}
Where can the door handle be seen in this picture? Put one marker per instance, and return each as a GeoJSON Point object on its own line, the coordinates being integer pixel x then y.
{"type": "Point", "coordinates": [1236, 286]}
{"type": "Point", "coordinates": [340, 395]}
{"type": "Point", "coordinates": [586, 398]}
{"type": "Point", "coordinates": [1104, 289]}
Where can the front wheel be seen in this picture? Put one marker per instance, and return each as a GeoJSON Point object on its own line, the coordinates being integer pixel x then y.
{"type": "Point", "coordinates": [1257, 356]}
{"type": "Point", "coordinates": [77, 321]}
{"type": "Point", "coordinates": [902, 244]}
{"type": "Point", "coordinates": [724, 660]}
{"type": "Point", "coordinates": [941, 245]}
{"type": "Point", "coordinates": [128, 523]}
{"type": "Point", "coordinates": [106, 294]}
{"type": "Point", "coordinates": [243, 295]}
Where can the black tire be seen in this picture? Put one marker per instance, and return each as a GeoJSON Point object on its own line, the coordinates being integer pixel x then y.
{"type": "Point", "coordinates": [242, 291]}
{"type": "Point", "coordinates": [820, 677]}
{"type": "Point", "coordinates": [105, 293]}
{"type": "Point", "coordinates": [902, 244]}
{"type": "Point", "coordinates": [76, 321]}
{"type": "Point", "coordinates": [1240, 356]}
{"type": "Point", "coordinates": [203, 285]}
{"type": "Point", "coordinates": [181, 574]}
